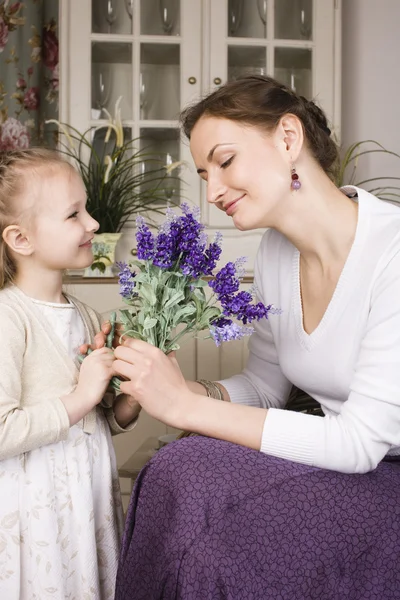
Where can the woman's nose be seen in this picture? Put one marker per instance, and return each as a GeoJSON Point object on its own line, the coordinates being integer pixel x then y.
{"type": "Point", "coordinates": [215, 190]}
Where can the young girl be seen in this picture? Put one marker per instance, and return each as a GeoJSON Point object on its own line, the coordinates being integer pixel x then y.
{"type": "Point", "coordinates": [60, 509]}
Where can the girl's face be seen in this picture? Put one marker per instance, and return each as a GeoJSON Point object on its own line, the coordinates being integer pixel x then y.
{"type": "Point", "coordinates": [62, 230]}
{"type": "Point", "coordinates": [247, 171]}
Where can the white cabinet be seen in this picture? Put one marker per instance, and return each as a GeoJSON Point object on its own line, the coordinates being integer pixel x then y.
{"type": "Point", "coordinates": [159, 55]}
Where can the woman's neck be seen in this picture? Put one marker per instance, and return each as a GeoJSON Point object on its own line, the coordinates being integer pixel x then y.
{"type": "Point", "coordinates": [322, 225]}
{"type": "Point", "coordinates": [44, 285]}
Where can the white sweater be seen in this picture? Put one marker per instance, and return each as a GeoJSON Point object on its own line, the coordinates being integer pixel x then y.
{"type": "Point", "coordinates": [350, 363]}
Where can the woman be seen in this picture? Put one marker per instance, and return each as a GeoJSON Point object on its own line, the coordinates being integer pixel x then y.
{"type": "Point", "coordinates": [276, 504]}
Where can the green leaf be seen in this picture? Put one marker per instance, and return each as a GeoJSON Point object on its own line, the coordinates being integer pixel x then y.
{"type": "Point", "coordinates": [149, 323]}
{"type": "Point", "coordinates": [199, 283]}
{"type": "Point", "coordinates": [181, 315]}
{"type": "Point", "coordinates": [175, 299]}
{"type": "Point", "coordinates": [209, 315]}
{"type": "Point", "coordinates": [146, 292]}
{"type": "Point", "coordinates": [141, 278]}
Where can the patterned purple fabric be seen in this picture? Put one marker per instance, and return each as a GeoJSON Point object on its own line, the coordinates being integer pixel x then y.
{"type": "Point", "coordinates": [210, 520]}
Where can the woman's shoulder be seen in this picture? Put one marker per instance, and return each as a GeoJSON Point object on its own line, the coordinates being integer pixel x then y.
{"type": "Point", "coordinates": [374, 205]}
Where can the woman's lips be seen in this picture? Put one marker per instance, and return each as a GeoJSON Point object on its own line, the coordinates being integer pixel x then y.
{"type": "Point", "coordinates": [230, 209]}
{"type": "Point", "coordinates": [87, 244]}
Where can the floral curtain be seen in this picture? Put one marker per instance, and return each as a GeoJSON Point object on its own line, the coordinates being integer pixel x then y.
{"type": "Point", "coordinates": [28, 72]}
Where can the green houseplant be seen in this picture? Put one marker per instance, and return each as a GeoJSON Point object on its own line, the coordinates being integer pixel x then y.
{"type": "Point", "coordinates": [121, 179]}
{"type": "Point", "coordinates": [385, 187]}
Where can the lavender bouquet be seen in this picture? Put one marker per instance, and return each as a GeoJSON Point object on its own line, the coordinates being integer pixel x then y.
{"type": "Point", "coordinates": [166, 290]}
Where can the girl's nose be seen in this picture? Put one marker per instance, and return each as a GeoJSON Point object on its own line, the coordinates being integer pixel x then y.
{"type": "Point", "coordinates": [93, 225]}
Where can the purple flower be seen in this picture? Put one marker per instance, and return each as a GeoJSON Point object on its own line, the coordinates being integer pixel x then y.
{"type": "Point", "coordinates": [145, 240]}
{"type": "Point", "coordinates": [240, 305]}
{"type": "Point", "coordinates": [228, 332]}
{"type": "Point", "coordinates": [212, 254]}
{"type": "Point", "coordinates": [165, 254]}
{"type": "Point", "coordinates": [193, 263]}
{"type": "Point", "coordinates": [126, 280]}
{"type": "Point", "coordinates": [226, 281]}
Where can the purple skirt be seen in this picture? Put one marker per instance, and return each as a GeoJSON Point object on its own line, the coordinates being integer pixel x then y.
{"type": "Point", "coordinates": [210, 520]}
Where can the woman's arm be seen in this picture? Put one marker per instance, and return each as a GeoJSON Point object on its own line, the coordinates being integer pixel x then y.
{"type": "Point", "coordinates": [157, 383]}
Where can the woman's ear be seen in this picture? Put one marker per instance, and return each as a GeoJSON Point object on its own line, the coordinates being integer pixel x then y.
{"type": "Point", "coordinates": [291, 135]}
{"type": "Point", "coordinates": [17, 240]}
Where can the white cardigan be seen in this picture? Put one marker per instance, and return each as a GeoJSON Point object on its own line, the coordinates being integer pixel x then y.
{"type": "Point", "coordinates": [35, 372]}
{"type": "Point", "coordinates": [350, 363]}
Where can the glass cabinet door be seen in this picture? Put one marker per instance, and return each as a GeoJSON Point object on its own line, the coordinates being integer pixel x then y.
{"type": "Point", "coordinates": [144, 57]}
{"type": "Point", "coordinates": [291, 40]}
{"type": "Point", "coordinates": [272, 37]}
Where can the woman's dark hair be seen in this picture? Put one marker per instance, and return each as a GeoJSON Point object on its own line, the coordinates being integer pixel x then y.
{"type": "Point", "coordinates": [262, 102]}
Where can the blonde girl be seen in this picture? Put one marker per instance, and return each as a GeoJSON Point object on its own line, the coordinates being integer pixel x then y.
{"type": "Point", "coordinates": [60, 509]}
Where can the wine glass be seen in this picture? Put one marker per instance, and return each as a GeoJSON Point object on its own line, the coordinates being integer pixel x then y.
{"type": "Point", "coordinates": [169, 183]}
{"type": "Point", "coordinates": [168, 11]}
{"type": "Point", "coordinates": [111, 13]}
{"type": "Point", "coordinates": [145, 93]}
{"type": "Point", "coordinates": [235, 10]}
{"type": "Point", "coordinates": [101, 80]}
{"type": "Point", "coordinates": [305, 18]}
{"type": "Point", "coordinates": [129, 8]}
{"type": "Point", "coordinates": [262, 10]}
{"type": "Point", "coordinates": [293, 80]}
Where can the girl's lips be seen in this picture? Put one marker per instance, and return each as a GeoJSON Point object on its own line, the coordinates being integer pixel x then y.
{"type": "Point", "coordinates": [87, 244]}
{"type": "Point", "coordinates": [231, 207]}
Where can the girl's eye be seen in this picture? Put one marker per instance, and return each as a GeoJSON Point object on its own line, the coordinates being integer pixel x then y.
{"type": "Point", "coordinates": [227, 162]}
{"type": "Point", "coordinates": [74, 214]}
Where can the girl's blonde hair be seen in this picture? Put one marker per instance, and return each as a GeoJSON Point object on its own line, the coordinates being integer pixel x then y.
{"type": "Point", "coordinates": [18, 168]}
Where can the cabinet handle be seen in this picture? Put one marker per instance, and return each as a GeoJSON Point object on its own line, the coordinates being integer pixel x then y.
{"type": "Point", "coordinates": [217, 80]}
{"type": "Point", "coordinates": [192, 80]}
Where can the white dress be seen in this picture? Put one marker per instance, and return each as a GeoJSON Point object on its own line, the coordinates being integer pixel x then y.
{"type": "Point", "coordinates": [64, 542]}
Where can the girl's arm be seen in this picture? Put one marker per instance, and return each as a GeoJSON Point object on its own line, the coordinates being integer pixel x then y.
{"type": "Point", "coordinates": [125, 412]}
{"type": "Point", "coordinates": [23, 428]}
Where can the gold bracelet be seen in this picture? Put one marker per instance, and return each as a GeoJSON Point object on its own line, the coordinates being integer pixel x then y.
{"type": "Point", "coordinates": [212, 389]}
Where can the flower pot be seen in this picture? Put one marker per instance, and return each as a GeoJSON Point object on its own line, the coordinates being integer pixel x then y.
{"type": "Point", "coordinates": [103, 245]}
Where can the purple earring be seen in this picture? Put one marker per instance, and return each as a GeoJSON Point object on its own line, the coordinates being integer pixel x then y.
{"type": "Point", "coordinates": [295, 185]}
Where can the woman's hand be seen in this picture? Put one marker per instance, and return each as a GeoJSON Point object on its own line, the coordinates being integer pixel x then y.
{"type": "Point", "coordinates": [154, 380]}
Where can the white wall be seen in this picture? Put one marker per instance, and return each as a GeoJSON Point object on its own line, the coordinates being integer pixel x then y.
{"type": "Point", "coordinates": [371, 79]}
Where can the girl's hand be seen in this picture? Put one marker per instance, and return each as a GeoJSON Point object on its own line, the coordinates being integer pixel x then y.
{"type": "Point", "coordinates": [95, 374]}
{"type": "Point", "coordinates": [154, 380]}
{"type": "Point", "coordinates": [101, 337]}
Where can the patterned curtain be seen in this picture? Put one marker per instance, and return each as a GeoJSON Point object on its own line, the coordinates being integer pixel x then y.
{"type": "Point", "coordinates": [28, 72]}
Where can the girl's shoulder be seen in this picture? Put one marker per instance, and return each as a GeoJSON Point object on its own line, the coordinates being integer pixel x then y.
{"type": "Point", "coordinates": [13, 318]}
{"type": "Point", "coordinates": [9, 302]}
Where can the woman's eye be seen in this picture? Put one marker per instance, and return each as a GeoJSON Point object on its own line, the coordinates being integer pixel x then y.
{"type": "Point", "coordinates": [227, 163]}
{"type": "Point", "coordinates": [74, 214]}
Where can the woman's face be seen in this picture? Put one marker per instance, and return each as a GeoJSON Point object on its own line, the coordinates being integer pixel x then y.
{"type": "Point", "coordinates": [247, 171]}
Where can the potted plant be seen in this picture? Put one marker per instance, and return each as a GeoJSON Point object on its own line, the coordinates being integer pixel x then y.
{"type": "Point", "coordinates": [385, 187]}
{"type": "Point", "coordinates": [121, 179]}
